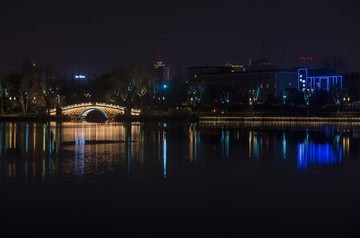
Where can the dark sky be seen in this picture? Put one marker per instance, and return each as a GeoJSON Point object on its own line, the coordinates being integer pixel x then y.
{"type": "Point", "coordinates": [69, 35]}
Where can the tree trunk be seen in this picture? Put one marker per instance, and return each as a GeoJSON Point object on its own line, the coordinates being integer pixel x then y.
{"type": "Point", "coordinates": [23, 109]}
{"type": "Point", "coordinates": [128, 104]}
{"type": "Point", "coordinates": [128, 108]}
{"type": "Point", "coordinates": [2, 106]}
{"type": "Point", "coordinates": [47, 105]}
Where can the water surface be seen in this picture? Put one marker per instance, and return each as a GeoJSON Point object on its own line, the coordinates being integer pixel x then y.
{"type": "Point", "coordinates": [185, 179]}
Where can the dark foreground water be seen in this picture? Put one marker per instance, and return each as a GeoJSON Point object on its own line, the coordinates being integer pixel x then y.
{"type": "Point", "coordinates": [238, 179]}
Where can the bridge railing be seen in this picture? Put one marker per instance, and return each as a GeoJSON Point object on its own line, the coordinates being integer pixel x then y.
{"type": "Point", "coordinates": [88, 104]}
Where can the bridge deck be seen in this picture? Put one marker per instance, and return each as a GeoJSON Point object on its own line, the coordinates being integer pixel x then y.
{"type": "Point", "coordinates": [109, 110]}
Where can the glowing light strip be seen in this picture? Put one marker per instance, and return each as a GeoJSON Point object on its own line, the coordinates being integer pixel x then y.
{"type": "Point", "coordinates": [164, 151]}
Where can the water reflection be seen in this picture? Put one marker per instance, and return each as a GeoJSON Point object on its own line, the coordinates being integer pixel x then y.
{"type": "Point", "coordinates": [194, 142]}
{"type": "Point", "coordinates": [44, 152]}
{"type": "Point", "coordinates": [318, 145]}
{"type": "Point", "coordinates": [327, 152]}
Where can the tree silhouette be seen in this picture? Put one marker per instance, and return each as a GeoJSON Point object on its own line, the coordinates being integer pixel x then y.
{"type": "Point", "coordinates": [335, 63]}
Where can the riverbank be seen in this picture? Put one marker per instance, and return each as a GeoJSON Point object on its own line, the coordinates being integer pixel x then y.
{"type": "Point", "coordinates": [248, 116]}
{"type": "Point", "coordinates": [293, 116]}
{"type": "Point", "coordinates": [28, 117]}
{"type": "Point", "coordinates": [206, 116]}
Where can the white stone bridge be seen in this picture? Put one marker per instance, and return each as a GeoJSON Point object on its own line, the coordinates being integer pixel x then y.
{"type": "Point", "coordinates": [78, 111]}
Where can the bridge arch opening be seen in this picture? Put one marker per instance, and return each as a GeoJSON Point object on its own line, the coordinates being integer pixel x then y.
{"type": "Point", "coordinates": [87, 111]}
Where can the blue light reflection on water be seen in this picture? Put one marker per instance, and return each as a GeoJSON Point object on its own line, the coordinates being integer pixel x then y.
{"type": "Point", "coordinates": [318, 154]}
{"type": "Point", "coordinates": [224, 142]}
{"type": "Point", "coordinates": [284, 145]}
{"type": "Point", "coordinates": [27, 137]}
{"type": "Point", "coordinates": [322, 154]}
{"type": "Point", "coordinates": [164, 154]}
{"type": "Point", "coordinates": [299, 148]}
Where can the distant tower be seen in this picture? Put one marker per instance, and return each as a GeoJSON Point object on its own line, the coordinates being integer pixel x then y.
{"type": "Point", "coordinates": [305, 61]}
{"type": "Point", "coordinates": [164, 71]}
{"type": "Point", "coordinates": [159, 62]}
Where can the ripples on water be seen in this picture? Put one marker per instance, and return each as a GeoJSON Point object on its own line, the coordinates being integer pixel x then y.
{"type": "Point", "coordinates": [46, 152]}
{"type": "Point", "coordinates": [207, 179]}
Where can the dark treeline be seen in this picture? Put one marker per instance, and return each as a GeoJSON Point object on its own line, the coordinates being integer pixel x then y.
{"type": "Point", "coordinates": [35, 89]}
{"type": "Point", "coordinates": [30, 89]}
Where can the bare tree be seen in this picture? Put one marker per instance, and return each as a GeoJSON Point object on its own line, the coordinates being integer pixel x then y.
{"type": "Point", "coordinates": [335, 63]}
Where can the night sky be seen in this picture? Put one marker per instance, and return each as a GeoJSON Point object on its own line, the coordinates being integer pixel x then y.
{"type": "Point", "coordinates": [99, 36]}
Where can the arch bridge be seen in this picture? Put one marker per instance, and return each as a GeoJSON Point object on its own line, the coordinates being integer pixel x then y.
{"type": "Point", "coordinates": [78, 111]}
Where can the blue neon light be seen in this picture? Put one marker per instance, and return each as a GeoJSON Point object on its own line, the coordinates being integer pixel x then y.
{"type": "Point", "coordinates": [304, 75]}
{"type": "Point", "coordinates": [91, 109]}
{"type": "Point", "coordinates": [312, 81]}
{"type": "Point", "coordinates": [164, 155]}
{"type": "Point", "coordinates": [164, 86]}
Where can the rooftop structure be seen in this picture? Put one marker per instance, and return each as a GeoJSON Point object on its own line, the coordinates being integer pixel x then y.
{"type": "Point", "coordinates": [312, 83]}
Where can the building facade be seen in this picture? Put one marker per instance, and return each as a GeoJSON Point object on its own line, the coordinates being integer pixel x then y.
{"type": "Point", "coordinates": [312, 82]}
{"type": "Point", "coordinates": [268, 83]}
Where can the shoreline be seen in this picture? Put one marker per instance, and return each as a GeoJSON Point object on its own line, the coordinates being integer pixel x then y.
{"type": "Point", "coordinates": [344, 117]}
{"type": "Point", "coordinates": [280, 118]}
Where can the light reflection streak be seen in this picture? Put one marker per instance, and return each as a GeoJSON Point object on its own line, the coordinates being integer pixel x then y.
{"type": "Point", "coordinates": [44, 134]}
{"type": "Point", "coordinates": [10, 135]}
{"type": "Point", "coordinates": [225, 142]}
{"type": "Point", "coordinates": [284, 145]}
{"type": "Point", "coordinates": [323, 154]}
{"type": "Point", "coordinates": [191, 144]}
{"type": "Point", "coordinates": [14, 132]}
{"type": "Point", "coordinates": [27, 137]}
{"type": "Point", "coordinates": [194, 143]}
{"type": "Point", "coordinates": [130, 147]}
{"type": "Point", "coordinates": [164, 152]}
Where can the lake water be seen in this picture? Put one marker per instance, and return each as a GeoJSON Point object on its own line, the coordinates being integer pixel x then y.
{"type": "Point", "coordinates": [217, 179]}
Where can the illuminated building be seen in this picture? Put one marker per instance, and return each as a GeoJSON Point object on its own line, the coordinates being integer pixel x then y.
{"type": "Point", "coordinates": [81, 77]}
{"type": "Point", "coordinates": [236, 67]}
{"type": "Point", "coordinates": [164, 71]}
{"type": "Point", "coordinates": [312, 83]}
{"type": "Point", "coordinates": [270, 82]}
{"type": "Point", "coordinates": [351, 82]}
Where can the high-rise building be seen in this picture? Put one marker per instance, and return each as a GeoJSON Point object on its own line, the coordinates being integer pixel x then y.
{"type": "Point", "coordinates": [164, 71]}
